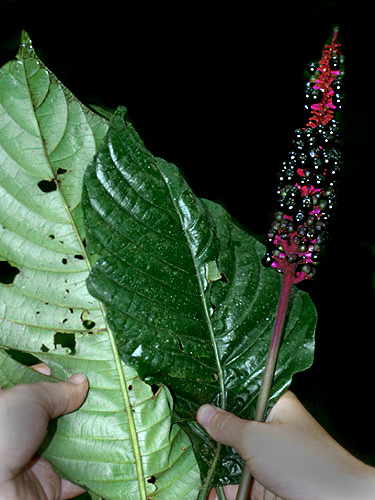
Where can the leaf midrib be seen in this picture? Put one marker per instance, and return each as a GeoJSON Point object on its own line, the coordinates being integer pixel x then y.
{"type": "Point", "coordinates": [117, 360]}
{"type": "Point", "coordinates": [222, 399]}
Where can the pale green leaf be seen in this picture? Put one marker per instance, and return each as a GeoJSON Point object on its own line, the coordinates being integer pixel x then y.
{"type": "Point", "coordinates": [120, 445]}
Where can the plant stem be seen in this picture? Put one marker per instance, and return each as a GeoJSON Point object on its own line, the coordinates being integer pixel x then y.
{"type": "Point", "coordinates": [220, 493]}
{"type": "Point", "coordinates": [207, 485]}
{"type": "Point", "coordinates": [269, 370]}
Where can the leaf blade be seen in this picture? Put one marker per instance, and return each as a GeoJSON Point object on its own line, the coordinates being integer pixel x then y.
{"type": "Point", "coordinates": [199, 340]}
{"type": "Point", "coordinates": [46, 312]}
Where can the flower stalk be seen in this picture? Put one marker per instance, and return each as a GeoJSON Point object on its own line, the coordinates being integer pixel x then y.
{"type": "Point", "coordinates": [307, 184]}
{"type": "Point", "coordinates": [286, 288]}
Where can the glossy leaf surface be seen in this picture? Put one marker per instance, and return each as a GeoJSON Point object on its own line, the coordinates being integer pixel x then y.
{"type": "Point", "coordinates": [185, 292]}
{"type": "Point", "coordinates": [121, 444]}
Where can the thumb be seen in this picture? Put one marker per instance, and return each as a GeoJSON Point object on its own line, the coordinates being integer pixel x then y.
{"type": "Point", "coordinates": [59, 398]}
{"type": "Point", "coordinates": [25, 410]}
{"type": "Point", "coordinates": [222, 426]}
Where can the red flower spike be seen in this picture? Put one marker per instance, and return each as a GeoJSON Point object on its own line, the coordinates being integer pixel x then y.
{"type": "Point", "coordinates": [307, 180]}
{"type": "Point", "coordinates": [306, 188]}
{"type": "Point", "coordinates": [326, 74]}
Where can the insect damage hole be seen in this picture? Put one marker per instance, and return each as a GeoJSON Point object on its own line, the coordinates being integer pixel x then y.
{"type": "Point", "coordinates": [223, 278]}
{"type": "Point", "coordinates": [66, 340]}
{"type": "Point", "coordinates": [47, 186]}
{"type": "Point", "coordinates": [8, 273]}
{"type": "Point", "coordinates": [155, 389]}
{"type": "Point", "coordinates": [151, 480]}
{"type": "Point", "coordinates": [87, 323]}
{"type": "Point", "coordinates": [25, 358]}
{"type": "Point", "coordinates": [180, 344]}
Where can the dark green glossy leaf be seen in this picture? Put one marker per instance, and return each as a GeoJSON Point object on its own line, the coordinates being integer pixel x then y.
{"type": "Point", "coordinates": [185, 292]}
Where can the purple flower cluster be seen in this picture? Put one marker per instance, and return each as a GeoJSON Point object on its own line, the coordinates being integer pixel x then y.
{"type": "Point", "coordinates": [308, 178]}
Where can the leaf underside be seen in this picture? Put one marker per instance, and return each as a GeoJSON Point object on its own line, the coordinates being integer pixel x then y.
{"type": "Point", "coordinates": [184, 290]}
{"type": "Point", "coordinates": [120, 445]}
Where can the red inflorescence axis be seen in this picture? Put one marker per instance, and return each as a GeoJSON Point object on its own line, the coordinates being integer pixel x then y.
{"type": "Point", "coordinates": [323, 112]}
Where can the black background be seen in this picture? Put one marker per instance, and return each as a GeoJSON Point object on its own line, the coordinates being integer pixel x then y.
{"type": "Point", "coordinates": [218, 91]}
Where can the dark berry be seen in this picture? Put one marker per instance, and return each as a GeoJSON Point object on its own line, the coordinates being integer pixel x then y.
{"type": "Point", "coordinates": [292, 258]}
{"type": "Point", "coordinates": [307, 202]}
{"type": "Point", "coordinates": [310, 220]}
{"type": "Point", "coordinates": [299, 216]}
{"type": "Point", "coordinates": [310, 234]}
{"type": "Point", "coordinates": [312, 67]}
{"type": "Point", "coordinates": [315, 257]}
{"type": "Point", "coordinates": [267, 260]}
{"type": "Point", "coordinates": [306, 268]}
{"type": "Point", "coordinates": [334, 62]}
{"type": "Point", "coordinates": [279, 216]}
{"type": "Point", "coordinates": [321, 238]}
{"type": "Point", "coordinates": [319, 226]}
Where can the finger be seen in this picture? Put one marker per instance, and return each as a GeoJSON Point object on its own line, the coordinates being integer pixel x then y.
{"type": "Point", "coordinates": [222, 426]}
{"type": "Point", "coordinates": [59, 398]}
{"type": "Point", "coordinates": [260, 493]}
{"type": "Point", "coordinates": [53, 485]}
{"type": "Point", "coordinates": [25, 411]}
{"type": "Point", "coordinates": [42, 368]}
{"type": "Point", "coordinates": [70, 490]}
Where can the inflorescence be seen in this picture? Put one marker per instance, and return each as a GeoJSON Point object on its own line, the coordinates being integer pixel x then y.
{"type": "Point", "coordinates": [308, 178]}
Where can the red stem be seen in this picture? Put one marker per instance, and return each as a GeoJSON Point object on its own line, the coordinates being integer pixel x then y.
{"type": "Point", "coordinates": [265, 388]}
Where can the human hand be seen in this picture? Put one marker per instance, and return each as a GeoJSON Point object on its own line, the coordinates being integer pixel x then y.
{"type": "Point", "coordinates": [291, 455]}
{"type": "Point", "coordinates": [25, 411]}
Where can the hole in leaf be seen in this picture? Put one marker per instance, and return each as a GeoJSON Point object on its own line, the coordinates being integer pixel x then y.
{"type": "Point", "coordinates": [44, 348]}
{"type": "Point", "coordinates": [64, 261]}
{"type": "Point", "coordinates": [61, 171]}
{"type": "Point", "coordinates": [23, 357]}
{"type": "Point", "coordinates": [79, 257]}
{"type": "Point", "coordinates": [47, 186]}
{"type": "Point", "coordinates": [155, 389]}
{"type": "Point", "coordinates": [223, 278]}
{"type": "Point", "coordinates": [8, 272]}
{"type": "Point", "coordinates": [52, 236]}
{"type": "Point", "coordinates": [66, 340]}
{"type": "Point", "coordinates": [151, 480]}
{"type": "Point", "coordinates": [180, 344]}
{"type": "Point", "coordinates": [88, 324]}
{"type": "Point", "coordinates": [130, 387]}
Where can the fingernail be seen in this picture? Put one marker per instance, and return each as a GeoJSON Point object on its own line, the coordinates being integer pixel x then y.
{"type": "Point", "coordinates": [205, 413]}
{"type": "Point", "coordinates": [77, 378]}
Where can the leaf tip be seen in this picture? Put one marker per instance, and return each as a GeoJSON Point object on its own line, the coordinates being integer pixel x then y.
{"type": "Point", "coordinates": [26, 46]}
